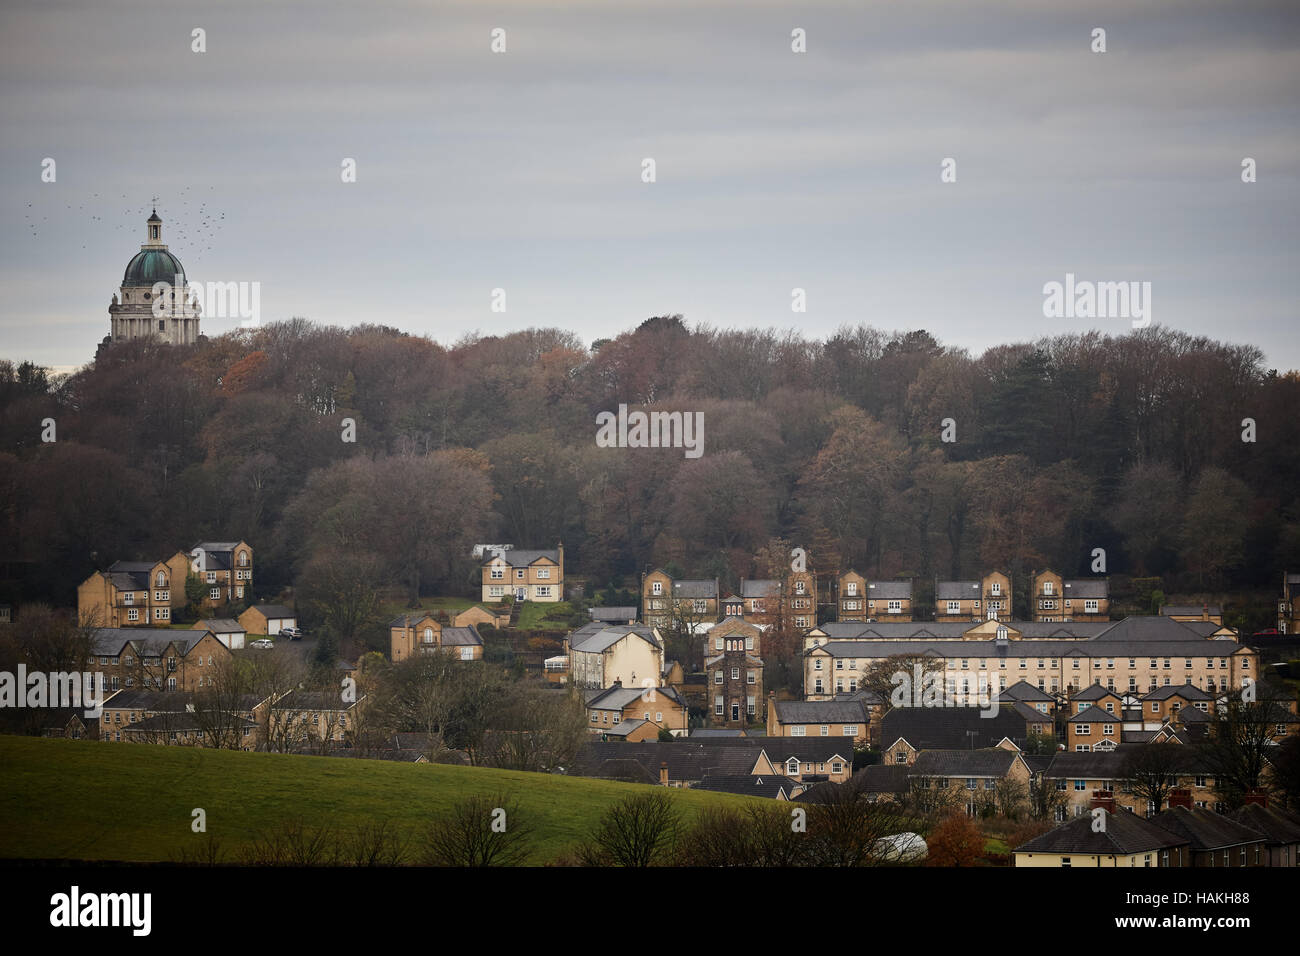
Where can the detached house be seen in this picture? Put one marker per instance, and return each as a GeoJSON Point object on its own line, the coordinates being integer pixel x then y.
{"type": "Point", "coordinates": [635, 713]}
{"type": "Point", "coordinates": [734, 667]}
{"type": "Point", "coordinates": [986, 599]}
{"type": "Point", "coordinates": [134, 593]}
{"type": "Point", "coordinates": [1055, 599]}
{"type": "Point", "coordinates": [226, 569]}
{"type": "Point", "coordinates": [601, 655]}
{"type": "Point", "coordinates": [691, 603]}
{"type": "Point", "coordinates": [889, 601]}
{"type": "Point", "coordinates": [411, 634]}
{"type": "Point", "coordinates": [524, 576]}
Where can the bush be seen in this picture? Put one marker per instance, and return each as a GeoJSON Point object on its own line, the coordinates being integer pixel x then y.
{"type": "Point", "coordinates": [479, 831]}
{"type": "Point", "coordinates": [637, 831]}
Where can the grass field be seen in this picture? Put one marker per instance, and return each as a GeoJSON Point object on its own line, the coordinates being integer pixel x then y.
{"type": "Point", "coordinates": [87, 800]}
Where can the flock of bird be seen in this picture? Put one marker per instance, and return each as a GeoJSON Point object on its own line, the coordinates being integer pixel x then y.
{"type": "Point", "coordinates": [189, 233]}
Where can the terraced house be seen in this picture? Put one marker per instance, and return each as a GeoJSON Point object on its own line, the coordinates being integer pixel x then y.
{"type": "Point", "coordinates": [524, 576]}
{"type": "Point", "coordinates": [156, 658]}
{"type": "Point", "coordinates": [134, 593]}
{"type": "Point", "coordinates": [1133, 656]}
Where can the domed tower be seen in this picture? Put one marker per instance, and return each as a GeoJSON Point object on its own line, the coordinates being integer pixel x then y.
{"type": "Point", "coordinates": [137, 312]}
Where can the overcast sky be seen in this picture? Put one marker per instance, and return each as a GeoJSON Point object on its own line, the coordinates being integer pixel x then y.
{"type": "Point", "coordinates": [775, 170]}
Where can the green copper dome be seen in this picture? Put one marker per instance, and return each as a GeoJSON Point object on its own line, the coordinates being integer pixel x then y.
{"type": "Point", "coordinates": [153, 265]}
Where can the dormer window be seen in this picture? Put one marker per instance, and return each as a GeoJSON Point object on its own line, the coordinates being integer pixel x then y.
{"type": "Point", "coordinates": [1002, 632]}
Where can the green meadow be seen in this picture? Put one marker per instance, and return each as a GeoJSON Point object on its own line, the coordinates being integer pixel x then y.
{"type": "Point", "coordinates": [86, 800]}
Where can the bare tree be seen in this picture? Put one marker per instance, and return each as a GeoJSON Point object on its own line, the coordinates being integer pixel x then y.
{"type": "Point", "coordinates": [639, 830]}
{"type": "Point", "coordinates": [1152, 771]}
{"type": "Point", "coordinates": [479, 831]}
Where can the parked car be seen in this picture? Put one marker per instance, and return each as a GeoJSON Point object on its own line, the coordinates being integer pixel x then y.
{"type": "Point", "coordinates": [263, 643]}
{"type": "Point", "coordinates": [292, 633]}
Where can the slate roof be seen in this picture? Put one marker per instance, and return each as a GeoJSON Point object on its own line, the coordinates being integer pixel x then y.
{"type": "Point", "coordinates": [1277, 826]}
{"type": "Point", "coordinates": [1185, 691]}
{"type": "Point", "coordinates": [613, 613]}
{"type": "Point", "coordinates": [1124, 833]}
{"type": "Point", "coordinates": [1030, 714]}
{"type": "Point", "coordinates": [623, 728]}
{"type": "Point", "coordinates": [772, 785]}
{"type": "Point", "coordinates": [522, 559]}
{"type": "Point", "coordinates": [617, 698]}
{"type": "Point", "coordinates": [1206, 830]}
{"type": "Point", "coordinates": [956, 590]}
{"type": "Point", "coordinates": [273, 611]}
{"type": "Point", "coordinates": [147, 641]}
{"type": "Point", "coordinates": [693, 758]}
{"type": "Point", "coordinates": [1090, 765]}
{"type": "Point", "coordinates": [889, 590]}
{"type": "Point", "coordinates": [602, 637]}
{"type": "Point", "coordinates": [467, 636]}
{"type": "Point", "coordinates": [411, 620]}
{"type": "Point", "coordinates": [697, 589]}
{"type": "Point", "coordinates": [760, 589]}
{"type": "Point", "coordinates": [1086, 588]}
{"type": "Point", "coordinates": [1182, 609]}
{"type": "Point", "coordinates": [1022, 690]}
{"type": "Point", "coordinates": [820, 712]}
{"type": "Point", "coordinates": [716, 733]}
{"type": "Point", "coordinates": [989, 762]}
{"type": "Point", "coordinates": [1093, 715]}
{"type": "Point", "coordinates": [1095, 692]}
{"type": "Point", "coordinates": [156, 700]}
{"type": "Point", "coordinates": [222, 625]}
{"type": "Point", "coordinates": [944, 728]}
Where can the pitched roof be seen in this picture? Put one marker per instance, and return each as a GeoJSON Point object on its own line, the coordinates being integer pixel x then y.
{"type": "Point", "coordinates": [945, 728]}
{"type": "Point", "coordinates": [760, 588]}
{"type": "Point", "coordinates": [613, 613]}
{"type": "Point", "coordinates": [618, 697]}
{"type": "Point", "coordinates": [222, 625]}
{"type": "Point", "coordinates": [696, 589]}
{"type": "Point", "coordinates": [1277, 826]}
{"type": "Point", "coordinates": [1086, 588]}
{"type": "Point", "coordinates": [889, 590]}
{"type": "Point", "coordinates": [771, 785]}
{"type": "Point", "coordinates": [956, 590]}
{"type": "Point", "coordinates": [1124, 833]}
{"type": "Point", "coordinates": [1206, 830]}
{"type": "Point", "coordinates": [1095, 692]}
{"type": "Point", "coordinates": [1093, 715]}
{"type": "Point", "coordinates": [1185, 691]}
{"type": "Point", "coordinates": [820, 712]}
{"type": "Point", "coordinates": [1022, 690]}
{"type": "Point", "coordinates": [522, 559]}
{"type": "Point", "coordinates": [467, 636]}
{"type": "Point", "coordinates": [1181, 609]}
{"type": "Point", "coordinates": [273, 611]}
{"type": "Point", "coordinates": [599, 638]}
{"type": "Point", "coordinates": [988, 762]}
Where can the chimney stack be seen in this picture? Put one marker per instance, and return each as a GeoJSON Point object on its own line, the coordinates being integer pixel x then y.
{"type": "Point", "coordinates": [1104, 799]}
{"type": "Point", "coordinates": [1180, 797]}
{"type": "Point", "coordinates": [663, 773]}
{"type": "Point", "coordinates": [1256, 796]}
